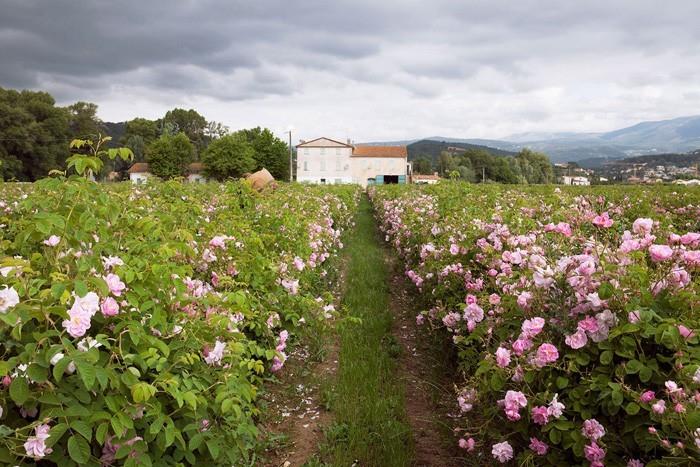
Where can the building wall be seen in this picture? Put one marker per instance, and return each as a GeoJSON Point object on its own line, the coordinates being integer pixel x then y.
{"type": "Point", "coordinates": [139, 177]}
{"type": "Point", "coordinates": [364, 168]}
{"type": "Point", "coordinates": [196, 178]}
{"type": "Point", "coordinates": [324, 165]}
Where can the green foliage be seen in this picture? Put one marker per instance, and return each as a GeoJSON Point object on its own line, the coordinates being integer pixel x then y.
{"type": "Point", "coordinates": [229, 157]}
{"type": "Point", "coordinates": [91, 160]}
{"type": "Point", "coordinates": [189, 122]}
{"type": "Point", "coordinates": [83, 120]}
{"type": "Point", "coordinates": [270, 152]}
{"type": "Point", "coordinates": [33, 134]}
{"type": "Point", "coordinates": [169, 156]}
{"type": "Point", "coordinates": [460, 240]}
{"type": "Point", "coordinates": [423, 165]}
{"type": "Point", "coordinates": [136, 388]}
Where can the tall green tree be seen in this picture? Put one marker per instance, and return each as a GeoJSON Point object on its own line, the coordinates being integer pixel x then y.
{"type": "Point", "coordinates": [189, 122]}
{"type": "Point", "coordinates": [34, 134]}
{"type": "Point", "coordinates": [423, 165]}
{"type": "Point", "coordinates": [271, 152]}
{"type": "Point", "coordinates": [84, 122]}
{"type": "Point", "coordinates": [229, 157]}
{"type": "Point", "coordinates": [169, 156]}
{"type": "Point", "coordinates": [138, 134]}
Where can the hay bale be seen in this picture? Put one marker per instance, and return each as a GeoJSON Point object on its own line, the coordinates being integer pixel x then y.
{"type": "Point", "coordinates": [261, 179]}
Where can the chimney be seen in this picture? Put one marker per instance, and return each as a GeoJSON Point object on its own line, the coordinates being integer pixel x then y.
{"type": "Point", "coordinates": [349, 142]}
{"type": "Point", "coordinates": [302, 141]}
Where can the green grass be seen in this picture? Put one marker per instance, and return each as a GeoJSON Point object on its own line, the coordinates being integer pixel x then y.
{"type": "Point", "coordinates": [368, 400]}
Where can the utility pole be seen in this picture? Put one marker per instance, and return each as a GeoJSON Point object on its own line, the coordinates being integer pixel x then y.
{"type": "Point", "coordinates": [483, 175]}
{"type": "Point", "coordinates": [291, 172]}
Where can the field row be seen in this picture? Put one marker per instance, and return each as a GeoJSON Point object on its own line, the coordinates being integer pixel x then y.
{"type": "Point", "coordinates": [137, 324]}
{"type": "Point", "coordinates": [573, 313]}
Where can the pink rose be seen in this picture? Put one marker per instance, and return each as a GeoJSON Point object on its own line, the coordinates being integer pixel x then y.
{"type": "Point", "coordinates": [109, 307]}
{"type": "Point", "coordinates": [592, 429]}
{"type": "Point", "coordinates": [660, 253]}
{"type": "Point", "coordinates": [540, 415]}
{"type": "Point", "coordinates": [502, 357]}
{"type": "Point", "coordinates": [502, 452]}
{"type": "Point", "coordinates": [116, 286]}
{"type": "Point", "coordinates": [685, 332]}
{"type": "Point", "coordinates": [546, 353]}
{"type": "Point", "coordinates": [647, 396]}
{"type": "Point", "coordinates": [577, 340]}
{"type": "Point", "coordinates": [538, 447]}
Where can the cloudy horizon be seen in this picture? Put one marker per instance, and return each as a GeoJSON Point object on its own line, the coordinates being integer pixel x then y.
{"type": "Point", "coordinates": [363, 70]}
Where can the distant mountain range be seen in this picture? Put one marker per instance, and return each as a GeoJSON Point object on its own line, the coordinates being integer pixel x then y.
{"type": "Point", "coordinates": [679, 135]}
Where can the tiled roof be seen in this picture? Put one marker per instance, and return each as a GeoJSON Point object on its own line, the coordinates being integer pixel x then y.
{"type": "Point", "coordinates": [322, 142]}
{"type": "Point", "coordinates": [139, 167]}
{"type": "Point", "coordinates": [380, 151]}
{"type": "Point", "coordinates": [425, 177]}
{"type": "Point", "coordinates": [142, 167]}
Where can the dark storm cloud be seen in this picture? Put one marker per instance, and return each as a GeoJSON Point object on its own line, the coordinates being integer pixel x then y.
{"type": "Point", "coordinates": [550, 54]}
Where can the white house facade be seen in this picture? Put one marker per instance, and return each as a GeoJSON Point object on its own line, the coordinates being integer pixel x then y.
{"type": "Point", "coordinates": [324, 160]}
{"type": "Point", "coordinates": [327, 161]}
{"type": "Point", "coordinates": [139, 173]}
{"type": "Point", "coordinates": [581, 181]}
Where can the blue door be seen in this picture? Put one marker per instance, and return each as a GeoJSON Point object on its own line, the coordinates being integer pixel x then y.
{"type": "Point", "coordinates": [402, 179]}
{"type": "Point", "coordinates": [379, 179]}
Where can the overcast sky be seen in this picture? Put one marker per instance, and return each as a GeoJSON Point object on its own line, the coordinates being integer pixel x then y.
{"type": "Point", "coordinates": [364, 69]}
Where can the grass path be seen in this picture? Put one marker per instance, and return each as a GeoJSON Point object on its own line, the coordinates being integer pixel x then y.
{"type": "Point", "coordinates": [368, 403]}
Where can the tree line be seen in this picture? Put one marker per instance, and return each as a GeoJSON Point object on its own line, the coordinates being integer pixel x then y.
{"type": "Point", "coordinates": [35, 134]}
{"type": "Point", "coordinates": [479, 165]}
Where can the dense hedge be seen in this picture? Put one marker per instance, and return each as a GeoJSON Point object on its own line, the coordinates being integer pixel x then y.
{"type": "Point", "coordinates": [137, 323]}
{"type": "Point", "coordinates": [574, 315]}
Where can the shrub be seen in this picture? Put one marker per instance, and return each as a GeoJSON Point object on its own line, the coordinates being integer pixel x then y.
{"type": "Point", "coordinates": [137, 323]}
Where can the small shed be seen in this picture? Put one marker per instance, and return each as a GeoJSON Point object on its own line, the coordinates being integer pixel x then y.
{"type": "Point", "coordinates": [139, 173]}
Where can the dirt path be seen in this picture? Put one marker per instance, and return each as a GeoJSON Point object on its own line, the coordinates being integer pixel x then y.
{"type": "Point", "coordinates": [301, 415]}
{"type": "Point", "coordinates": [429, 398]}
{"type": "Point", "coordinates": [296, 431]}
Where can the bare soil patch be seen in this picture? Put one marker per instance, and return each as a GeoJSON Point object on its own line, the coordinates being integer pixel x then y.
{"type": "Point", "coordinates": [429, 397]}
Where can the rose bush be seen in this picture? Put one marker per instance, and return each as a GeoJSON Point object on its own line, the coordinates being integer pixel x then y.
{"type": "Point", "coordinates": [573, 312]}
{"type": "Point", "coordinates": [137, 323]}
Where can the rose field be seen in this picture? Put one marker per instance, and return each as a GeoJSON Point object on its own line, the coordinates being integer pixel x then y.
{"type": "Point", "coordinates": [138, 324]}
{"type": "Point", "coordinates": [160, 324]}
{"type": "Point", "coordinates": [573, 315]}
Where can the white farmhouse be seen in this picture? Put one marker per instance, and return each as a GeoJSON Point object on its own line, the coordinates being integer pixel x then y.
{"type": "Point", "coordinates": [568, 180]}
{"type": "Point", "coordinates": [140, 173]}
{"type": "Point", "coordinates": [324, 160]}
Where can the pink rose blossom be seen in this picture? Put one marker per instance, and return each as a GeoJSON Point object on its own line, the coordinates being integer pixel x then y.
{"type": "Point", "coordinates": [538, 447]}
{"type": "Point", "coordinates": [660, 253]}
{"type": "Point", "coordinates": [659, 407]}
{"type": "Point", "coordinates": [35, 446]}
{"type": "Point", "coordinates": [647, 396]}
{"type": "Point", "coordinates": [467, 444]}
{"type": "Point", "coordinates": [546, 353]}
{"type": "Point", "coordinates": [52, 241]}
{"type": "Point", "coordinates": [685, 332]}
{"type": "Point", "coordinates": [577, 340]}
{"type": "Point", "coordinates": [594, 454]}
{"type": "Point", "coordinates": [555, 408]}
{"type": "Point", "coordinates": [603, 221]}
{"type": "Point", "coordinates": [540, 415]}
{"type": "Point", "coordinates": [592, 429]}
{"type": "Point", "coordinates": [502, 357]}
{"type": "Point", "coordinates": [109, 307]}
{"type": "Point", "coordinates": [642, 226]}
{"type": "Point", "coordinates": [532, 327]}
{"type": "Point", "coordinates": [502, 452]}
{"type": "Point", "coordinates": [116, 286]}
{"type": "Point", "coordinates": [214, 357]}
